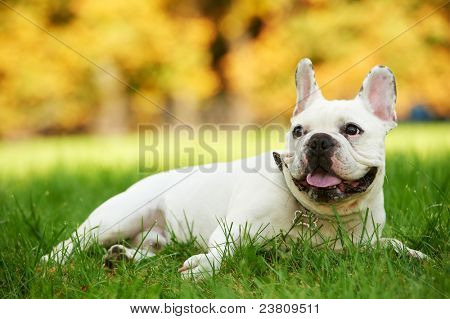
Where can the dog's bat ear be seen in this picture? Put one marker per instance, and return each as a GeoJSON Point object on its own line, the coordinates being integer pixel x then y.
{"type": "Point", "coordinates": [379, 93]}
{"type": "Point", "coordinates": [307, 88]}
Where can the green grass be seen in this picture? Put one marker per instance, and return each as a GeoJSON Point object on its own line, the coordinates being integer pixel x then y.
{"type": "Point", "coordinates": [48, 186]}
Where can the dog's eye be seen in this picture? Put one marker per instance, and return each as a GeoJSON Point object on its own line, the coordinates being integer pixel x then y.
{"type": "Point", "coordinates": [297, 131]}
{"type": "Point", "coordinates": [352, 129]}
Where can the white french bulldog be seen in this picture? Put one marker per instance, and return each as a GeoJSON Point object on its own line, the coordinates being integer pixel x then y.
{"type": "Point", "coordinates": [333, 168]}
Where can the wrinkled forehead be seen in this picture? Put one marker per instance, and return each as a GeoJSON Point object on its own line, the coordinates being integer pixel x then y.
{"type": "Point", "coordinates": [331, 115]}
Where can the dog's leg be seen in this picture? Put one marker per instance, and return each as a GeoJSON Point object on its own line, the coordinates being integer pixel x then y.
{"type": "Point", "coordinates": [121, 217]}
{"type": "Point", "coordinates": [80, 239]}
{"type": "Point", "coordinates": [399, 247]}
{"type": "Point", "coordinates": [204, 265]}
{"type": "Point", "coordinates": [249, 219]}
{"type": "Point", "coordinates": [144, 245]}
{"type": "Point", "coordinates": [222, 242]}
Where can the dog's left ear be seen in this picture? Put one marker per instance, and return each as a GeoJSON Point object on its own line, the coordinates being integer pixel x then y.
{"type": "Point", "coordinates": [379, 94]}
{"type": "Point", "coordinates": [307, 88]}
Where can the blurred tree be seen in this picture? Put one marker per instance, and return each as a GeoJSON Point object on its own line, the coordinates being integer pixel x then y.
{"type": "Point", "coordinates": [335, 35]}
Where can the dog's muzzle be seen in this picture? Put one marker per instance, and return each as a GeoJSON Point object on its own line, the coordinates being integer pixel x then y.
{"type": "Point", "coordinates": [318, 181]}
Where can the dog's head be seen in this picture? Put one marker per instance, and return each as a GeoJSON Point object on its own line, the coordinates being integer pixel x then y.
{"type": "Point", "coordinates": [335, 149]}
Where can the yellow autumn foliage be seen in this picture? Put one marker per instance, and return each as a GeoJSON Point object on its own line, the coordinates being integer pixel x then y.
{"type": "Point", "coordinates": [91, 65]}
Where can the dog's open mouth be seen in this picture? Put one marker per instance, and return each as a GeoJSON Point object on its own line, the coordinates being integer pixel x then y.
{"type": "Point", "coordinates": [324, 186]}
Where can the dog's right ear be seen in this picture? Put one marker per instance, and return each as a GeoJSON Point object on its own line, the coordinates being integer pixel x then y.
{"type": "Point", "coordinates": [307, 88]}
{"type": "Point", "coordinates": [379, 93]}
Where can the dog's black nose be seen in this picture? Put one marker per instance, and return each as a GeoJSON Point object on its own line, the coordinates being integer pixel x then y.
{"type": "Point", "coordinates": [321, 142]}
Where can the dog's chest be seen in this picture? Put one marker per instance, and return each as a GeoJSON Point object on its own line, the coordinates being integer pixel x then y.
{"type": "Point", "coordinates": [326, 231]}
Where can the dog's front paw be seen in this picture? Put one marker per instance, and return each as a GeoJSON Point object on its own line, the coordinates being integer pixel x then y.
{"type": "Point", "coordinates": [400, 247]}
{"type": "Point", "coordinates": [199, 267]}
{"type": "Point", "coordinates": [416, 254]}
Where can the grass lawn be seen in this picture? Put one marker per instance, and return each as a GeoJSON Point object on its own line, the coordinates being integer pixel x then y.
{"type": "Point", "coordinates": [49, 186]}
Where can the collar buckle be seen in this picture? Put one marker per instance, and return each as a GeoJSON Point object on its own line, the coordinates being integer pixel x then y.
{"type": "Point", "coordinates": [305, 218]}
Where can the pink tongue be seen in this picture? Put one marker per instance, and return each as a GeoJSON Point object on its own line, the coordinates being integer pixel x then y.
{"type": "Point", "coordinates": [319, 178]}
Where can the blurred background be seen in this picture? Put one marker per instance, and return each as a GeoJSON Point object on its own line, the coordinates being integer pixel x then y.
{"type": "Point", "coordinates": [207, 61]}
